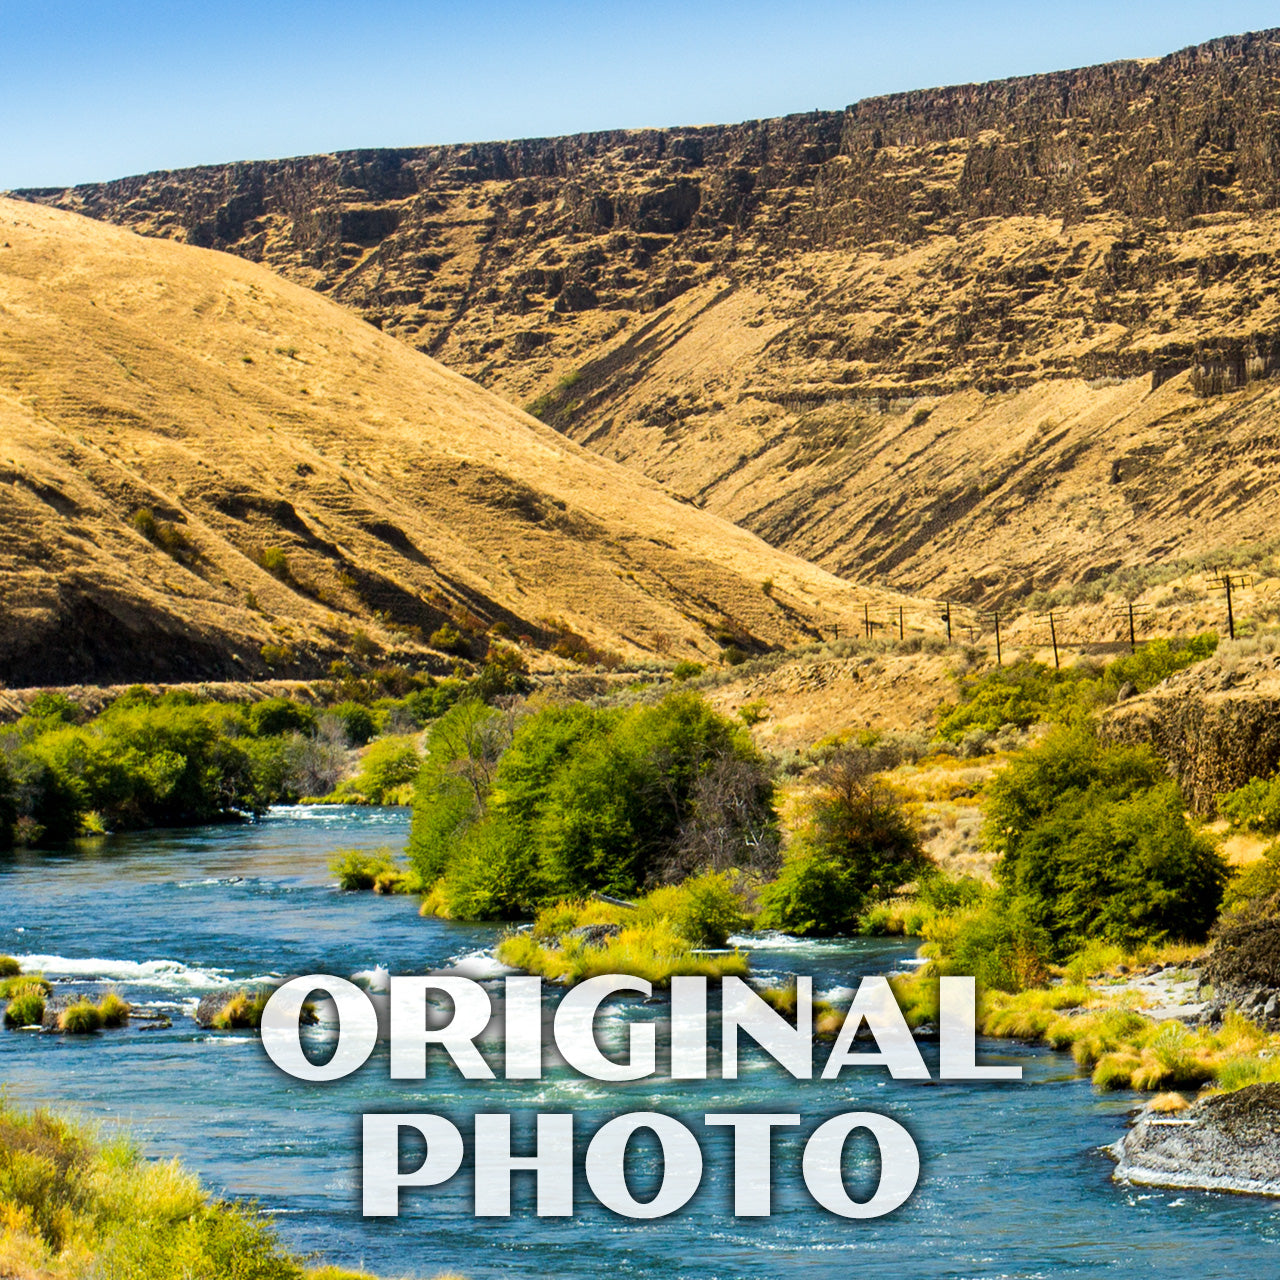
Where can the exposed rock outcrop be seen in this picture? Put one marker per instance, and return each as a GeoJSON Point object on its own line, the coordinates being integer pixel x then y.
{"type": "Point", "coordinates": [1229, 1142]}
{"type": "Point", "coordinates": [1217, 723]}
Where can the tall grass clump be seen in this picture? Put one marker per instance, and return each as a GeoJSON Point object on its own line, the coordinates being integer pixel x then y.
{"type": "Point", "coordinates": [25, 1009]}
{"type": "Point", "coordinates": [667, 932]}
{"type": "Point", "coordinates": [243, 1012]}
{"type": "Point", "coordinates": [80, 1019]}
{"type": "Point", "coordinates": [655, 953]}
{"type": "Point", "coordinates": [379, 871]}
{"type": "Point", "coordinates": [75, 1205]}
{"type": "Point", "coordinates": [114, 1010]}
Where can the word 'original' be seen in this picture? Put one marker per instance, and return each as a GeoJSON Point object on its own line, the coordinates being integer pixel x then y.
{"type": "Point", "coordinates": [416, 1023]}
{"type": "Point", "coordinates": [450, 1016]}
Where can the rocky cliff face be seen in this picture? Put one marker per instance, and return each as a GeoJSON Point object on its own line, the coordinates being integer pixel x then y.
{"type": "Point", "coordinates": [1217, 723]}
{"type": "Point", "coordinates": [966, 339]}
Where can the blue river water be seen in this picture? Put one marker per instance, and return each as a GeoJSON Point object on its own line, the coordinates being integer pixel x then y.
{"type": "Point", "coordinates": [1013, 1185]}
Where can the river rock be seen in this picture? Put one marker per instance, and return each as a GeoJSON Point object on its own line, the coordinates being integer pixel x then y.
{"type": "Point", "coordinates": [1228, 1142]}
{"type": "Point", "coordinates": [53, 1007]}
{"type": "Point", "coordinates": [595, 935]}
{"type": "Point", "coordinates": [212, 1005]}
{"type": "Point", "coordinates": [1244, 967]}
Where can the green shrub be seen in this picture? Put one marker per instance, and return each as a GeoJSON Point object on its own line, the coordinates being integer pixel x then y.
{"type": "Point", "coordinates": [9, 967]}
{"type": "Point", "coordinates": [453, 784]}
{"type": "Point", "coordinates": [1254, 807]}
{"type": "Point", "coordinates": [162, 762]}
{"type": "Point", "coordinates": [448, 639]}
{"type": "Point", "coordinates": [857, 844]}
{"type": "Point", "coordinates": [430, 703]}
{"type": "Point", "coordinates": [275, 716]}
{"type": "Point", "coordinates": [812, 895]}
{"type": "Point", "coordinates": [357, 721]}
{"type": "Point", "coordinates": [387, 772]}
{"type": "Point", "coordinates": [48, 710]}
{"type": "Point", "coordinates": [278, 655]}
{"type": "Point", "coordinates": [8, 808]}
{"type": "Point", "coordinates": [114, 1010]}
{"type": "Point", "coordinates": [71, 1205]}
{"type": "Point", "coordinates": [26, 1010]}
{"type": "Point", "coordinates": [23, 983]}
{"type": "Point", "coordinates": [581, 799]}
{"type": "Point", "coordinates": [1095, 844]}
{"type": "Point", "coordinates": [1026, 693]}
{"type": "Point", "coordinates": [999, 943]}
{"type": "Point", "coordinates": [1020, 694]}
{"type": "Point", "coordinates": [1255, 881]}
{"type": "Point", "coordinates": [168, 537]}
{"type": "Point", "coordinates": [686, 670]}
{"type": "Point", "coordinates": [276, 563]}
{"type": "Point", "coordinates": [705, 911]}
{"type": "Point", "coordinates": [1157, 660]}
{"type": "Point", "coordinates": [358, 869]}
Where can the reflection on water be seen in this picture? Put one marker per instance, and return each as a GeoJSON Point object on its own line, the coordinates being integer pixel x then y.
{"type": "Point", "coordinates": [1011, 1184]}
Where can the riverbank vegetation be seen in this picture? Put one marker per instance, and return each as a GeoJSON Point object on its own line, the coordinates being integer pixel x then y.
{"type": "Point", "coordinates": [75, 1204]}
{"type": "Point", "coordinates": [673, 930]}
{"type": "Point", "coordinates": [178, 759]}
{"type": "Point", "coordinates": [511, 812]}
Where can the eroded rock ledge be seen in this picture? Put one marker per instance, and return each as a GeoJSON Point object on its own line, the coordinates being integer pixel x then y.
{"type": "Point", "coordinates": [1229, 1142]}
{"type": "Point", "coordinates": [1217, 723]}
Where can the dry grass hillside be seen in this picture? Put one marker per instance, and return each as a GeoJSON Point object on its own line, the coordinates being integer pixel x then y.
{"type": "Point", "coordinates": [969, 341]}
{"type": "Point", "coordinates": [207, 471]}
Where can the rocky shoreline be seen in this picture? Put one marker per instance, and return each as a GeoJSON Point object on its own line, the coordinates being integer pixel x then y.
{"type": "Point", "coordinates": [1227, 1142]}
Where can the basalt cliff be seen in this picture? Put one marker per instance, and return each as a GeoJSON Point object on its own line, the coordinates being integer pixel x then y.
{"type": "Point", "coordinates": [967, 341]}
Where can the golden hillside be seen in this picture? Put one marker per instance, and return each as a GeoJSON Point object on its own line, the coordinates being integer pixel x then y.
{"type": "Point", "coordinates": [308, 478]}
{"type": "Point", "coordinates": [966, 340]}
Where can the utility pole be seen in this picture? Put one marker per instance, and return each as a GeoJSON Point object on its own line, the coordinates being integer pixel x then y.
{"type": "Point", "coordinates": [1226, 581]}
{"type": "Point", "coordinates": [866, 619]}
{"type": "Point", "coordinates": [946, 617]}
{"type": "Point", "coordinates": [995, 615]}
{"type": "Point", "coordinates": [1129, 610]}
{"type": "Point", "coordinates": [1053, 637]}
{"type": "Point", "coordinates": [902, 633]}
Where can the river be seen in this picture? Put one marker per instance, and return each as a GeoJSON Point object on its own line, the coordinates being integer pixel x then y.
{"type": "Point", "coordinates": [1012, 1183]}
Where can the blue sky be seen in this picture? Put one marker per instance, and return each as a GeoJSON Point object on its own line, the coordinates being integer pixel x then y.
{"type": "Point", "coordinates": [94, 89]}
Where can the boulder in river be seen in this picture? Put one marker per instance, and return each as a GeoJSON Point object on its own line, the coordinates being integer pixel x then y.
{"type": "Point", "coordinates": [55, 1006]}
{"type": "Point", "coordinates": [211, 1005]}
{"type": "Point", "coordinates": [1227, 1142]}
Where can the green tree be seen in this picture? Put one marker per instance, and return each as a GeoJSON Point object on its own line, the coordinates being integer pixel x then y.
{"type": "Point", "coordinates": [1094, 841]}
{"type": "Point", "coordinates": [857, 844]}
